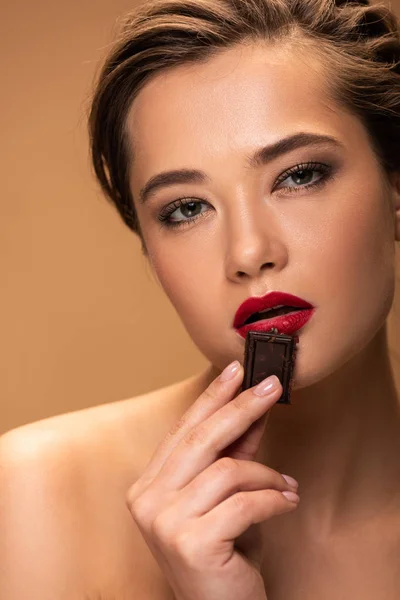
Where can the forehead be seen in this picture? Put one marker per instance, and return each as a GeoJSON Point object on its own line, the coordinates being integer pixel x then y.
{"type": "Point", "coordinates": [238, 100]}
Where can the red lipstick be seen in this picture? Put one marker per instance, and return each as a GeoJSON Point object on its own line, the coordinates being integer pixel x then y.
{"type": "Point", "coordinates": [247, 317]}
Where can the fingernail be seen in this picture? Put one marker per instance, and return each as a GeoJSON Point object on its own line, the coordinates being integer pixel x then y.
{"type": "Point", "coordinates": [291, 481]}
{"type": "Point", "coordinates": [267, 386]}
{"type": "Point", "coordinates": [230, 371]}
{"type": "Point", "coordinates": [291, 496]}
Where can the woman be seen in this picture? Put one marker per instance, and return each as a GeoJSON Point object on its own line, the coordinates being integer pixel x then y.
{"type": "Point", "coordinates": [252, 145]}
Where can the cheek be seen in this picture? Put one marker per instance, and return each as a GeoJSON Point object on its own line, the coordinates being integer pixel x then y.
{"type": "Point", "coordinates": [352, 272]}
{"type": "Point", "coordinates": [194, 280]}
{"type": "Point", "coordinates": [347, 264]}
{"type": "Point", "coordinates": [185, 273]}
{"type": "Point", "coordinates": [357, 249]}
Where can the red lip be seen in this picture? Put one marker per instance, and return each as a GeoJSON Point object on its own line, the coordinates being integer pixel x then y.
{"type": "Point", "coordinates": [285, 323]}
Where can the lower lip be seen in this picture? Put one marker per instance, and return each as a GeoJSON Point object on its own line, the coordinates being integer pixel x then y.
{"type": "Point", "coordinates": [287, 324]}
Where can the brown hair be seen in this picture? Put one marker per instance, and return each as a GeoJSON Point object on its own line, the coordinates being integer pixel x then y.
{"type": "Point", "coordinates": [359, 44]}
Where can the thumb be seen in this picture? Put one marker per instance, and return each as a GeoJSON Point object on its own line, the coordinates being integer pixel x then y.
{"type": "Point", "coordinates": [251, 544]}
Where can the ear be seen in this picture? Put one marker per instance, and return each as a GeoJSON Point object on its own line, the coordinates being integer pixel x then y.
{"type": "Point", "coordinates": [394, 178]}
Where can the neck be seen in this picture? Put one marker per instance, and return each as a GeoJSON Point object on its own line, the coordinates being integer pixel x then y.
{"type": "Point", "coordinates": [340, 439]}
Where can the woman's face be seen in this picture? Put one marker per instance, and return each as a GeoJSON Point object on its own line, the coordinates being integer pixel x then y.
{"type": "Point", "coordinates": [326, 236]}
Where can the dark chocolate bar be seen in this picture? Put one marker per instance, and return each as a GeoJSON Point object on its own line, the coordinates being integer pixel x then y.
{"type": "Point", "coordinates": [270, 354]}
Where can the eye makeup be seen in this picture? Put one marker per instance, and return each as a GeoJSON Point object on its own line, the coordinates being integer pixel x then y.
{"type": "Point", "coordinates": [324, 170]}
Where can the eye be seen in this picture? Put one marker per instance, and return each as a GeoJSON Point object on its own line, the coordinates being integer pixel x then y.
{"type": "Point", "coordinates": [303, 176]}
{"type": "Point", "coordinates": [190, 208]}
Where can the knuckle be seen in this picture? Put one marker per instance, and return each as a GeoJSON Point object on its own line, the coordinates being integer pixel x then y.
{"type": "Point", "coordinates": [227, 464]}
{"type": "Point", "coordinates": [141, 511]}
{"type": "Point", "coordinates": [161, 530]}
{"type": "Point", "coordinates": [134, 492]}
{"type": "Point", "coordinates": [136, 506]}
{"type": "Point", "coordinates": [195, 436]}
{"type": "Point", "coordinates": [210, 393]}
{"type": "Point", "coordinates": [240, 402]}
{"type": "Point", "coordinates": [241, 501]}
{"type": "Point", "coordinates": [131, 496]}
{"type": "Point", "coordinates": [177, 427]}
{"type": "Point", "coordinates": [182, 543]}
{"type": "Point", "coordinates": [186, 546]}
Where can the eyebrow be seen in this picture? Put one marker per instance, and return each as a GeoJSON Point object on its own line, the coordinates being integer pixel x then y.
{"type": "Point", "coordinates": [260, 158]}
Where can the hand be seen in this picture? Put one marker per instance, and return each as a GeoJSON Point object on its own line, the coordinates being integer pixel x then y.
{"type": "Point", "coordinates": [202, 490]}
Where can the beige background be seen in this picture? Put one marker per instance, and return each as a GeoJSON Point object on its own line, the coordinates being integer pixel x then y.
{"type": "Point", "coordinates": [82, 320]}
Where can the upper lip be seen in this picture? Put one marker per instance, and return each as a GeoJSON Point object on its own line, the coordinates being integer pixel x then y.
{"type": "Point", "coordinates": [270, 300]}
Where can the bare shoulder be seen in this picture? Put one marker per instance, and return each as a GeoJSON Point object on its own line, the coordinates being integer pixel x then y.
{"type": "Point", "coordinates": [128, 427]}
{"type": "Point", "coordinates": [63, 510]}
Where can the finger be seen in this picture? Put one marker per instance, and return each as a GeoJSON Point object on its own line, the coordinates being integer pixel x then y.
{"type": "Point", "coordinates": [234, 516]}
{"type": "Point", "coordinates": [200, 447]}
{"type": "Point", "coordinates": [216, 395]}
{"type": "Point", "coordinates": [221, 480]}
{"type": "Point", "coordinates": [246, 447]}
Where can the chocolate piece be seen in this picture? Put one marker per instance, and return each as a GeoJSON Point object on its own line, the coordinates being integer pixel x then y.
{"type": "Point", "coordinates": [270, 354]}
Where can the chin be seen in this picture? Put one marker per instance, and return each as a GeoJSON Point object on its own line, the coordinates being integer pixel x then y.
{"type": "Point", "coordinates": [337, 361]}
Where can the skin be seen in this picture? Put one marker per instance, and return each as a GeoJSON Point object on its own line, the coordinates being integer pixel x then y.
{"type": "Point", "coordinates": [340, 438]}
{"type": "Point", "coordinates": [333, 246]}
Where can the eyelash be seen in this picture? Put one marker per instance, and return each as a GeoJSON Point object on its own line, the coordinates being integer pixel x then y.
{"type": "Point", "coordinates": [322, 168]}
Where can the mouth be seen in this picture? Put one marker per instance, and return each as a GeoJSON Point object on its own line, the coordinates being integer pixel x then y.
{"type": "Point", "coordinates": [277, 310]}
{"type": "Point", "coordinates": [270, 313]}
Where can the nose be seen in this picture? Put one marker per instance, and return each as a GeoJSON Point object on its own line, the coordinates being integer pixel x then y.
{"type": "Point", "coordinates": [255, 244]}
